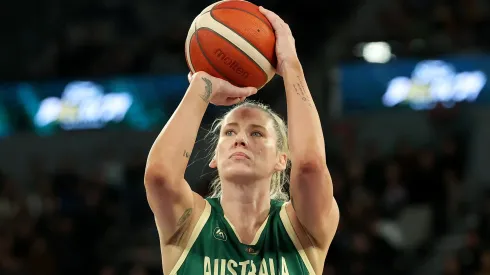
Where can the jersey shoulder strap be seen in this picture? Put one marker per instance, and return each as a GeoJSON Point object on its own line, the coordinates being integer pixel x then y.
{"type": "Point", "coordinates": [201, 222]}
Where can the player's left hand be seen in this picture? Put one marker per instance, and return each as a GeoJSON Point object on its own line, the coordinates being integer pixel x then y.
{"type": "Point", "coordinates": [285, 45]}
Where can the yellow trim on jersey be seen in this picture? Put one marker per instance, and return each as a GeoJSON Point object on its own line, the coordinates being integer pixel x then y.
{"type": "Point", "coordinates": [294, 238]}
{"type": "Point", "coordinates": [257, 234]}
{"type": "Point", "coordinates": [192, 239]}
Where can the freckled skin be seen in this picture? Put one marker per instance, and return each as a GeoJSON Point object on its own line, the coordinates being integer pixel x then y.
{"type": "Point", "coordinates": [249, 130]}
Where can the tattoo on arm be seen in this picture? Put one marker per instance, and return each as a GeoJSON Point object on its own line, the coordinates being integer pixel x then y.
{"type": "Point", "coordinates": [186, 154]}
{"type": "Point", "coordinates": [301, 92]}
{"type": "Point", "coordinates": [207, 90]}
{"type": "Point", "coordinates": [184, 217]}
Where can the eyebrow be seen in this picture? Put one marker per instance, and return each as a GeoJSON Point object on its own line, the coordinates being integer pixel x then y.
{"type": "Point", "coordinates": [234, 124]}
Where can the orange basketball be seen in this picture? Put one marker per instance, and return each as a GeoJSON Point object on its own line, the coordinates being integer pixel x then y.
{"type": "Point", "coordinates": [234, 41]}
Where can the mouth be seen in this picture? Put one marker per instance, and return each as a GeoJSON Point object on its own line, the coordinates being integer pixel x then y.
{"type": "Point", "coordinates": [239, 155]}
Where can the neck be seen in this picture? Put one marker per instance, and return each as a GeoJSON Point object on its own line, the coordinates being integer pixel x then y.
{"type": "Point", "coordinates": [246, 202]}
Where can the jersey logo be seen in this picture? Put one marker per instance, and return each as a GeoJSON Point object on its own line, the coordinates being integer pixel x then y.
{"type": "Point", "coordinates": [218, 234]}
{"type": "Point", "coordinates": [252, 251]}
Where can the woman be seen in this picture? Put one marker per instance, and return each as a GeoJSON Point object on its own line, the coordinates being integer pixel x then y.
{"type": "Point", "coordinates": [246, 227]}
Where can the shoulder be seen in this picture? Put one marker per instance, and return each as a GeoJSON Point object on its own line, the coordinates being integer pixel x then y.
{"type": "Point", "coordinates": [187, 222]}
{"type": "Point", "coordinates": [276, 205]}
{"type": "Point", "coordinates": [332, 221]}
{"type": "Point", "coordinates": [315, 253]}
{"type": "Point", "coordinates": [185, 237]}
{"type": "Point", "coordinates": [214, 202]}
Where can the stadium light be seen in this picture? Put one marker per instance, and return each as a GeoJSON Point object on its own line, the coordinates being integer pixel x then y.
{"type": "Point", "coordinates": [376, 52]}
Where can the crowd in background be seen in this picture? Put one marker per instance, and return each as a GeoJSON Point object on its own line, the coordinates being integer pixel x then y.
{"type": "Point", "coordinates": [94, 38]}
{"type": "Point", "coordinates": [425, 28]}
{"type": "Point", "coordinates": [63, 222]}
{"type": "Point", "coordinates": [474, 256]}
{"type": "Point", "coordinates": [376, 189]}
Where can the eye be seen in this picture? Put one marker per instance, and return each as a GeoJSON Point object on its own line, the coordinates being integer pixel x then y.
{"type": "Point", "coordinates": [229, 132]}
{"type": "Point", "coordinates": [257, 134]}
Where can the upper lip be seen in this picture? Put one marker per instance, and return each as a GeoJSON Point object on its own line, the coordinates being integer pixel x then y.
{"type": "Point", "coordinates": [240, 154]}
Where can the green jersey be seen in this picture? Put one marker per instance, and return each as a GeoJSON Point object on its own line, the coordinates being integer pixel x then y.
{"type": "Point", "coordinates": [214, 248]}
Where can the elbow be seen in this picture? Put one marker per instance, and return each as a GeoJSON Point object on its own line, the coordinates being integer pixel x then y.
{"type": "Point", "coordinates": [309, 157]}
{"type": "Point", "coordinates": [156, 174]}
{"type": "Point", "coordinates": [314, 172]}
{"type": "Point", "coordinates": [312, 165]}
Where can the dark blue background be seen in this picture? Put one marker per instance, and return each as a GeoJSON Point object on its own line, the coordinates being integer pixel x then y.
{"type": "Point", "coordinates": [155, 98]}
{"type": "Point", "coordinates": [363, 84]}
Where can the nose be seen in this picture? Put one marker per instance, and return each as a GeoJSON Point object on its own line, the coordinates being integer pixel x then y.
{"type": "Point", "coordinates": [240, 140]}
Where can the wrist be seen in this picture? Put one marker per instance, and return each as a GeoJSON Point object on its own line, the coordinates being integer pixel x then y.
{"type": "Point", "coordinates": [197, 77]}
{"type": "Point", "coordinates": [291, 68]}
{"type": "Point", "coordinates": [202, 85]}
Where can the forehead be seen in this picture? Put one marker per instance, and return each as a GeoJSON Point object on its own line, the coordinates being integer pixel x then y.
{"type": "Point", "coordinates": [251, 115]}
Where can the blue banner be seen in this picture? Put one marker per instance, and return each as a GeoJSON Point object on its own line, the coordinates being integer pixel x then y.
{"type": "Point", "coordinates": [416, 84]}
{"type": "Point", "coordinates": [143, 103]}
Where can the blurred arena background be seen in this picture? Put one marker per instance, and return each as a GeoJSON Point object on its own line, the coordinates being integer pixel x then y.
{"type": "Point", "coordinates": [401, 86]}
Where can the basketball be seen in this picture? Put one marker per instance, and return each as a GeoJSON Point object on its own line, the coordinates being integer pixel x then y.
{"type": "Point", "coordinates": [234, 41]}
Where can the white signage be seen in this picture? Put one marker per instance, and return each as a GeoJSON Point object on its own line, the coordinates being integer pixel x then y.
{"type": "Point", "coordinates": [432, 82]}
{"type": "Point", "coordinates": [83, 105]}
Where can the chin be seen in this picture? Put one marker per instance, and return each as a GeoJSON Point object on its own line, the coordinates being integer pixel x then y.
{"type": "Point", "coordinates": [238, 173]}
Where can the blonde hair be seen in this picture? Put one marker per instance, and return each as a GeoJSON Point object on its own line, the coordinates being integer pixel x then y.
{"type": "Point", "coordinates": [279, 178]}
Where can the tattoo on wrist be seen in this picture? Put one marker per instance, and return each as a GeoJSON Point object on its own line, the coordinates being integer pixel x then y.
{"type": "Point", "coordinates": [184, 217]}
{"type": "Point", "coordinates": [300, 90]}
{"type": "Point", "coordinates": [186, 154]}
{"type": "Point", "coordinates": [207, 90]}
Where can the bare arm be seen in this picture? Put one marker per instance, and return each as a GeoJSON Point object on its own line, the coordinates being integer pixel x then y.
{"type": "Point", "coordinates": [169, 195]}
{"type": "Point", "coordinates": [311, 185]}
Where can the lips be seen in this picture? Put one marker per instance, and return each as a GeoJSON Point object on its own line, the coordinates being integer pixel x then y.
{"type": "Point", "coordinates": [240, 154]}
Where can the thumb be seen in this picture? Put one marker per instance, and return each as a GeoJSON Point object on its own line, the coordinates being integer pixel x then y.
{"type": "Point", "coordinates": [245, 92]}
{"type": "Point", "coordinates": [231, 101]}
{"type": "Point", "coordinates": [236, 100]}
{"type": "Point", "coordinates": [234, 91]}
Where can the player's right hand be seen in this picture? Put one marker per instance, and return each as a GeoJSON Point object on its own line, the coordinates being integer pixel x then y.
{"type": "Point", "coordinates": [223, 93]}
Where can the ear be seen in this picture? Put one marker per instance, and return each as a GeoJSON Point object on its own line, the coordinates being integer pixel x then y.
{"type": "Point", "coordinates": [213, 164]}
{"type": "Point", "coordinates": [281, 162]}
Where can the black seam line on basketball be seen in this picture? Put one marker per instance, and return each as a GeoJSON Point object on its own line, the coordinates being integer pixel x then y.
{"type": "Point", "coordinates": [228, 8]}
{"type": "Point", "coordinates": [207, 59]}
{"type": "Point", "coordinates": [266, 76]}
{"type": "Point", "coordinates": [231, 43]}
{"type": "Point", "coordinates": [270, 61]}
{"type": "Point", "coordinates": [204, 54]}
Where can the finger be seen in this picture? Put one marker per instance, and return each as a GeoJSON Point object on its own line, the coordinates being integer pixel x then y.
{"type": "Point", "coordinates": [278, 24]}
{"type": "Point", "coordinates": [230, 101]}
{"type": "Point", "coordinates": [244, 92]}
{"type": "Point", "coordinates": [189, 76]}
{"type": "Point", "coordinates": [234, 101]}
{"type": "Point", "coordinates": [239, 99]}
{"type": "Point", "coordinates": [233, 91]}
{"type": "Point", "coordinates": [273, 18]}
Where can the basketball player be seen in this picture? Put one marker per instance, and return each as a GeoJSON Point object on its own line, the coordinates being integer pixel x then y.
{"type": "Point", "coordinates": [248, 226]}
